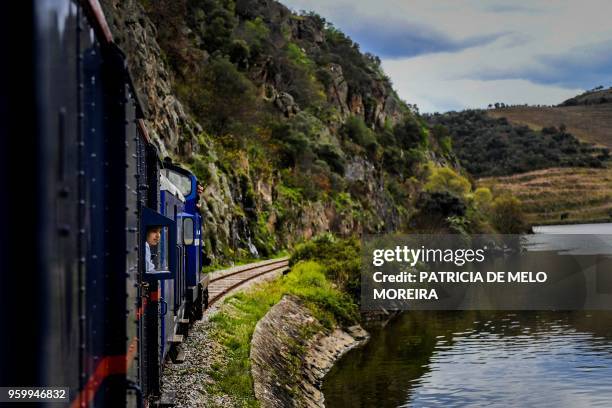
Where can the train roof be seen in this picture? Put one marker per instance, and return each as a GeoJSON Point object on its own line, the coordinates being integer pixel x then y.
{"type": "Point", "coordinates": [166, 185]}
{"type": "Point", "coordinates": [98, 20]}
{"type": "Point", "coordinates": [174, 167]}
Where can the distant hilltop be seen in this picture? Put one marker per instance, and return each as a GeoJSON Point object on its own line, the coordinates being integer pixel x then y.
{"type": "Point", "coordinates": [587, 116]}
{"type": "Point", "coordinates": [595, 96]}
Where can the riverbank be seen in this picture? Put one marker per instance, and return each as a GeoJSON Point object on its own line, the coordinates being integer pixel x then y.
{"type": "Point", "coordinates": [291, 352]}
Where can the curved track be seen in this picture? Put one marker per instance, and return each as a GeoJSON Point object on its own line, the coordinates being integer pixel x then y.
{"type": "Point", "coordinates": [220, 286]}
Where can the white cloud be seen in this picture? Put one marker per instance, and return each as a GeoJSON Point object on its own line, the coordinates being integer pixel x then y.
{"type": "Point", "coordinates": [443, 76]}
{"type": "Point", "coordinates": [438, 83]}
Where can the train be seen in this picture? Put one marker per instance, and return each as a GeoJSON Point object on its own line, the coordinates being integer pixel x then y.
{"type": "Point", "coordinates": [82, 184]}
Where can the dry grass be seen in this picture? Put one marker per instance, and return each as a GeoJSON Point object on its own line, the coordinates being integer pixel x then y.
{"type": "Point", "coordinates": [592, 123]}
{"type": "Point", "coordinates": [560, 195]}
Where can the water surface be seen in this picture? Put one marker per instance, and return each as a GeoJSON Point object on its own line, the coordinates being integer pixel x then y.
{"type": "Point", "coordinates": [472, 358]}
{"type": "Point", "coordinates": [484, 358]}
{"type": "Point", "coordinates": [603, 228]}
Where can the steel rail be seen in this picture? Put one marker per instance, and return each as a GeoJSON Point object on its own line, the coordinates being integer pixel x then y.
{"type": "Point", "coordinates": [286, 260]}
{"type": "Point", "coordinates": [276, 267]}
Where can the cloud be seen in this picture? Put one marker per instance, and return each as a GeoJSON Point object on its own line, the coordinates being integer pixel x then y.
{"type": "Point", "coordinates": [428, 82]}
{"type": "Point", "coordinates": [407, 39]}
{"type": "Point", "coordinates": [511, 8]}
{"type": "Point", "coordinates": [580, 67]}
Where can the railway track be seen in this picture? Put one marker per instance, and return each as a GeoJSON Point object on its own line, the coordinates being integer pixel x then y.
{"type": "Point", "coordinates": [224, 282]}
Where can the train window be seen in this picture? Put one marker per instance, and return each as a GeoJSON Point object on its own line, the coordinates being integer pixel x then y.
{"type": "Point", "coordinates": [182, 182]}
{"type": "Point", "coordinates": [158, 241]}
{"type": "Point", "coordinates": [156, 249]}
{"type": "Point", "coordinates": [187, 231]}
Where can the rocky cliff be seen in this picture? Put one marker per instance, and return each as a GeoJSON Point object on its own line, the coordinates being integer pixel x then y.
{"type": "Point", "coordinates": [291, 130]}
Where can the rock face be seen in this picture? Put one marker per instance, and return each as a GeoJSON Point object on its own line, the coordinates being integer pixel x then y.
{"type": "Point", "coordinates": [286, 104]}
{"type": "Point", "coordinates": [291, 353]}
{"type": "Point", "coordinates": [338, 89]}
{"type": "Point", "coordinates": [171, 129]}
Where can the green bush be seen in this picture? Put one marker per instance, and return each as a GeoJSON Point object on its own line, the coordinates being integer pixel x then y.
{"type": "Point", "coordinates": [293, 145]}
{"type": "Point", "coordinates": [222, 97]}
{"type": "Point", "coordinates": [483, 199]}
{"type": "Point", "coordinates": [297, 56]}
{"type": "Point", "coordinates": [256, 34]}
{"type": "Point", "coordinates": [409, 133]}
{"type": "Point", "coordinates": [214, 21]}
{"type": "Point", "coordinates": [308, 281]}
{"type": "Point", "coordinates": [296, 74]}
{"type": "Point", "coordinates": [507, 215]}
{"type": "Point", "coordinates": [240, 53]}
{"type": "Point", "coordinates": [341, 259]}
{"type": "Point", "coordinates": [357, 131]}
{"type": "Point", "coordinates": [332, 156]}
{"type": "Point", "coordinates": [445, 179]}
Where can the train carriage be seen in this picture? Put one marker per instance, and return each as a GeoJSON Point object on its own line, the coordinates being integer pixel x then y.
{"type": "Point", "coordinates": [196, 281]}
{"type": "Point", "coordinates": [94, 186]}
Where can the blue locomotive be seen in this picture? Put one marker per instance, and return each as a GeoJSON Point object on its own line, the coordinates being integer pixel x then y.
{"type": "Point", "coordinates": [80, 307]}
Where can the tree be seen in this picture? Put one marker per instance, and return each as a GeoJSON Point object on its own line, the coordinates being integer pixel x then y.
{"type": "Point", "coordinates": [507, 215]}
{"type": "Point", "coordinates": [483, 199]}
{"type": "Point", "coordinates": [215, 21]}
{"type": "Point", "coordinates": [224, 97]}
{"type": "Point", "coordinates": [435, 209]}
{"type": "Point", "coordinates": [445, 179]}
{"type": "Point", "coordinates": [408, 133]}
{"type": "Point", "coordinates": [356, 130]}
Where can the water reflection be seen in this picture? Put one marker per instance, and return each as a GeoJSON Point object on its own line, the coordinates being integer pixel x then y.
{"type": "Point", "coordinates": [480, 358]}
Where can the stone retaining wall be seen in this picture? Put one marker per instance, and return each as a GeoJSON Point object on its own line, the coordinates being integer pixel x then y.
{"type": "Point", "coordinates": [291, 352]}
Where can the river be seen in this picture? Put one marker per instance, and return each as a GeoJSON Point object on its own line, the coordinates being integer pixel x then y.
{"type": "Point", "coordinates": [482, 358]}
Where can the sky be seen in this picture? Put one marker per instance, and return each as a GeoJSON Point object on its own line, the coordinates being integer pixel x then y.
{"type": "Point", "coordinates": [456, 54]}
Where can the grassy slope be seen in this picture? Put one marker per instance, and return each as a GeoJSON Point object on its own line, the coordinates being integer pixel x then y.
{"type": "Point", "coordinates": [583, 194]}
{"type": "Point", "coordinates": [592, 123]}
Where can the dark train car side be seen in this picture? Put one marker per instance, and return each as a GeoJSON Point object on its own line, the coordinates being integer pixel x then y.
{"type": "Point", "coordinates": [86, 221]}
{"type": "Point", "coordinates": [89, 188]}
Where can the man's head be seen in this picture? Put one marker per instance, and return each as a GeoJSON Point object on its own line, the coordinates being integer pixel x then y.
{"type": "Point", "coordinates": [153, 235]}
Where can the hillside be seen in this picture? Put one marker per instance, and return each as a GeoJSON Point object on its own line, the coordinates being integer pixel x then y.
{"type": "Point", "coordinates": [590, 123]}
{"type": "Point", "coordinates": [560, 195]}
{"type": "Point", "coordinates": [558, 178]}
{"type": "Point", "coordinates": [595, 96]}
{"type": "Point", "coordinates": [489, 146]}
{"type": "Point", "coordinates": [291, 129]}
